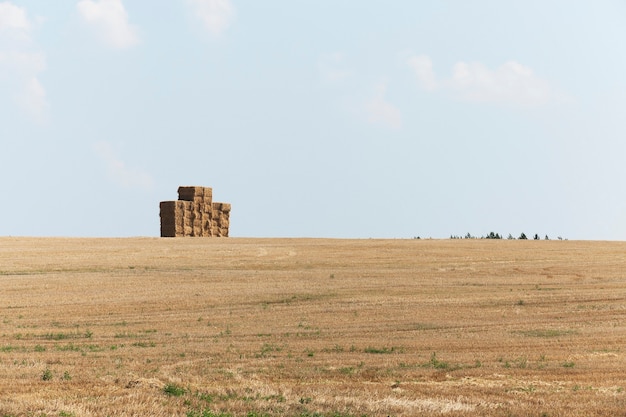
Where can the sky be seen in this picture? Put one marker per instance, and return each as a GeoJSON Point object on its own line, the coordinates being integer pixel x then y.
{"type": "Point", "coordinates": [315, 118]}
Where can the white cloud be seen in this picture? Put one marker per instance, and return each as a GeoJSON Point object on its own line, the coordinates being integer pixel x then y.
{"type": "Point", "coordinates": [13, 18]}
{"type": "Point", "coordinates": [110, 20]}
{"type": "Point", "coordinates": [510, 83]}
{"type": "Point", "coordinates": [21, 70]}
{"type": "Point", "coordinates": [33, 98]}
{"type": "Point", "coordinates": [332, 67]}
{"type": "Point", "coordinates": [381, 111]}
{"type": "Point", "coordinates": [21, 62]}
{"type": "Point", "coordinates": [423, 67]}
{"type": "Point", "coordinates": [216, 15]}
{"type": "Point", "coordinates": [119, 172]}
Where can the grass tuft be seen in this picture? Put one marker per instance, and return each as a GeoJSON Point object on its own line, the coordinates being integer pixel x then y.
{"type": "Point", "coordinates": [174, 390]}
{"type": "Point", "coordinates": [380, 351]}
{"type": "Point", "coordinates": [47, 375]}
{"type": "Point", "coordinates": [546, 333]}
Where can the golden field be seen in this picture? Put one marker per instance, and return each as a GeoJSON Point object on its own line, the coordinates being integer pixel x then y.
{"type": "Point", "coordinates": [311, 327]}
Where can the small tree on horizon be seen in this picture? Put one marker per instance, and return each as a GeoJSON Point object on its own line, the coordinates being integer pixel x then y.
{"type": "Point", "coordinates": [523, 236]}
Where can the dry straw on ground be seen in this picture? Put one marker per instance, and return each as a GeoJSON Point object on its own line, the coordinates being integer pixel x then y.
{"type": "Point", "coordinates": [193, 327]}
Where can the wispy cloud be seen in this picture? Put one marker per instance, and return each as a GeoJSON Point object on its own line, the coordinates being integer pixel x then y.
{"type": "Point", "coordinates": [215, 15]}
{"type": "Point", "coordinates": [423, 67]}
{"type": "Point", "coordinates": [381, 111]}
{"type": "Point", "coordinates": [511, 83]}
{"type": "Point", "coordinates": [33, 98]}
{"type": "Point", "coordinates": [332, 67]}
{"type": "Point", "coordinates": [118, 171]}
{"type": "Point", "coordinates": [13, 18]}
{"type": "Point", "coordinates": [110, 20]}
{"type": "Point", "coordinates": [21, 62]}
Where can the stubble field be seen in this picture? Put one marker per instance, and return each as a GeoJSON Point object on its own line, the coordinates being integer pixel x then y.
{"type": "Point", "coordinates": [311, 327]}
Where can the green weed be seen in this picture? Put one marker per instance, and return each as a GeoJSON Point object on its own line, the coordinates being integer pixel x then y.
{"type": "Point", "coordinates": [546, 332]}
{"type": "Point", "coordinates": [380, 350]}
{"type": "Point", "coordinates": [174, 390]}
{"type": "Point", "coordinates": [68, 348]}
{"type": "Point", "coordinates": [8, 348]}
{"type": "Point", "coordinates": [436, 363]}
{"type": "Point", "coordinates": [47, 375]}
{"type": "Point", "coordinates": [144, 344]}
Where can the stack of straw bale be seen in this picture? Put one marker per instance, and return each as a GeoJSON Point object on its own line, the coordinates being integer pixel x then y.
{"type": "Point", "coordinates": [194, 214]}
{"type": "Point", "coordinates": [221, 219]}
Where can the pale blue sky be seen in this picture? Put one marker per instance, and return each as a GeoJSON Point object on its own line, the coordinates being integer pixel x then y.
{"type": "Point", "coordinates": [317, 118]}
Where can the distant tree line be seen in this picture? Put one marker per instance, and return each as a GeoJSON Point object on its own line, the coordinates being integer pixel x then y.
{"type": "Point", "coordinates": [492, 235]}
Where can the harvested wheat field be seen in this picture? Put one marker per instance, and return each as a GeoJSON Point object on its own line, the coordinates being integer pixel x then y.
{"type": "Point", "coordinates": [311, 327]}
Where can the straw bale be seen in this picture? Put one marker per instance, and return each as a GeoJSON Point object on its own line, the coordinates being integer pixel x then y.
{"type": "Point", "coordinates": [197, 227]}
{"type": "Point", "coordinates": [194, 214]}
{"type": "Point", "coordinates": [168, 231]}
{"type": "Point", "coordinates": [168, 218]}
{"type": "Point", "coordinates": [180, 218]}
{"type": "Point", "coordinates": [172, 229]}
{"type": "Point", "coordinates": [208, 194]}
{"type": "Point", "coordinates": [190, 193]}
{"type": "Point", "coordinates": [188, 209]}
{"type": "Point", "coordinates": [169, 206]}
{"type": "Point", "coordinates": [167, 210]}
{"type": "Point", "coordinates": [166, 225]}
